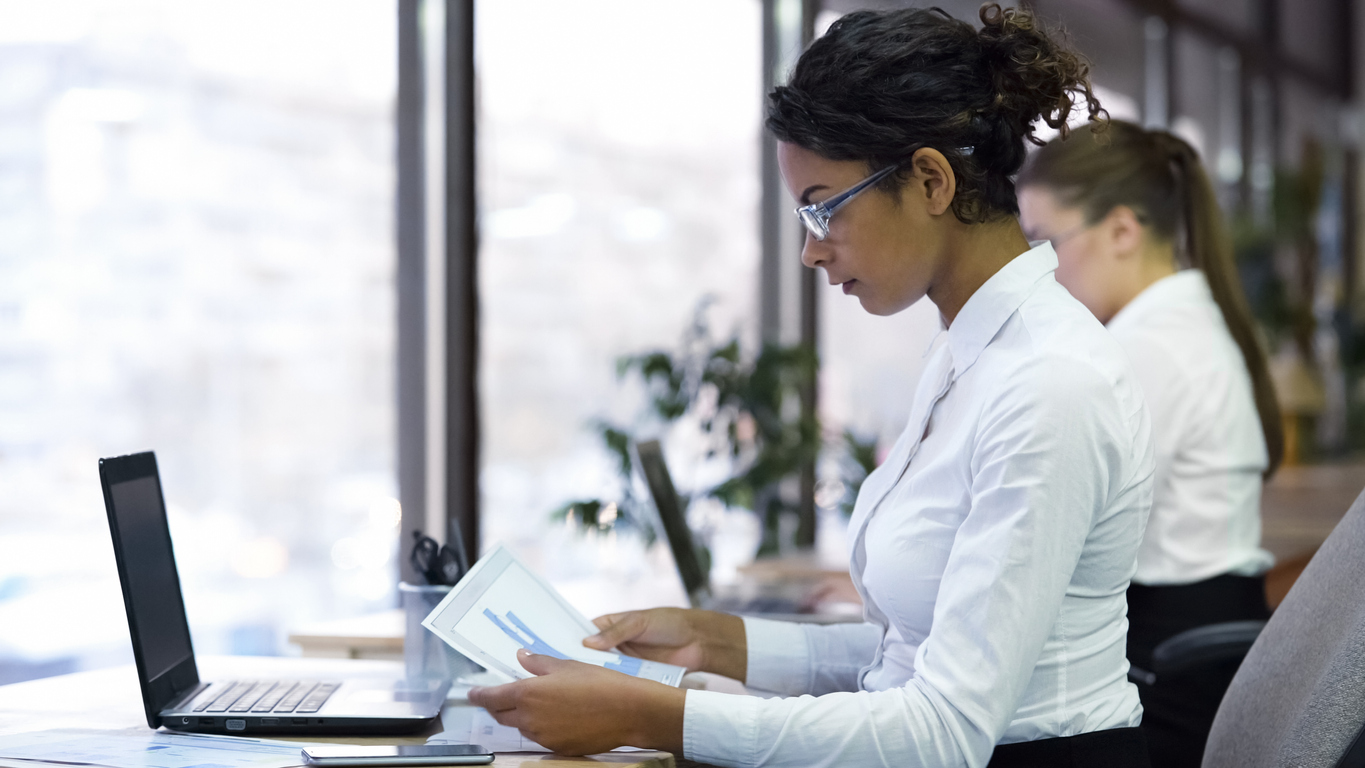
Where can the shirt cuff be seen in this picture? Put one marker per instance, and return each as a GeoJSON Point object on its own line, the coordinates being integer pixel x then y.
{"type": "Point", "coordinates": [720, 728]}
{"type": "Point", "coordinates": [778, 656]}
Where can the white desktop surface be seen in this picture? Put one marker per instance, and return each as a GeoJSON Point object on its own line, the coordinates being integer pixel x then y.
{"type": "Point", "coordinates": [110, 699]}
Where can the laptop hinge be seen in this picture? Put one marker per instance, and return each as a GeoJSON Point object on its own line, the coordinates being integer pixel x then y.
{"type": "Point", "coordinates": [186, 698]}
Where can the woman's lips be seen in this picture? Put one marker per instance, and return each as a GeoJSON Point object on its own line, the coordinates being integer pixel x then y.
{"type": "Point", "coordinates": [848, 286]}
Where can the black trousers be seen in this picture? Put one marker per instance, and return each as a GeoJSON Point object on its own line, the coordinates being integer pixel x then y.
{"type": "Point", "coordinates": [1178, 710]}
{"type": "Point", "coordinates": [1115, 748]}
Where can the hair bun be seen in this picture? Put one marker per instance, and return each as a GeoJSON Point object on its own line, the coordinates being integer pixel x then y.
{"type": "Point", "coordinates": [1033, 76]}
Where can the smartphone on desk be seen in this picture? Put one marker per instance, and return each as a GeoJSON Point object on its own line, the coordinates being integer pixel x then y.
{"type": "Point", "coordinates": [417, 754]}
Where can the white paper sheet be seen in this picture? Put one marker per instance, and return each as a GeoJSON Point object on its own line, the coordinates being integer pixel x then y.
{"type": "Point", "coordinates": [143, 748]}
{"type": "Point", "coordinates": [501, 606]}
{"type": "Point", "coordinates": [473, 725]}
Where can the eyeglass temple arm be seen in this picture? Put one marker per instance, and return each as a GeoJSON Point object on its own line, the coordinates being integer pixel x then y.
{"type": "Point", "coordinates": [835, 202]}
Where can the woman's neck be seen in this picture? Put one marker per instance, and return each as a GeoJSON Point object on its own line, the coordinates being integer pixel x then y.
{"type": "Point", "coordinates": [1154, 262]}
{"type": "Point", "coordinates": [972, 254]}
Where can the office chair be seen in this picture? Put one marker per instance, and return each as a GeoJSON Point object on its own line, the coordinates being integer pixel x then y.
{"type": "Point", "coordinates": [1298, 698]}
{"type": "Point", "coordinates": [1199, 648]}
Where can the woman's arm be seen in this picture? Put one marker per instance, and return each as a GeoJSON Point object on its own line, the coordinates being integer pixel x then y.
{"type": "Point", "coordinates": [701, 641]}
{"type": "Point", "coordinates": [575, 708]}
{"type": "Point", "coordinates": [582, 709]}
{"type": "Point", "coordinates": [776, 656]}
{"type": "Point", "coordinates": [795, 659]}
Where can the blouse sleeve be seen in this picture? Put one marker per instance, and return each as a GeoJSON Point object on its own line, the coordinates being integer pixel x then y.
{"type": "Point", "coordinates": [793, 659]}
{"type": "Point", "coordinates": [1043, 466]}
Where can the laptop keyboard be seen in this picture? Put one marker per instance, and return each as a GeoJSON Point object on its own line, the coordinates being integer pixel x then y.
{"type": "Point", "coordinates": [256, 696]}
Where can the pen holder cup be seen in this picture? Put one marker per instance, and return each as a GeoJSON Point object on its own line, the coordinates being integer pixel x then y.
{"type": "Point", "coordinates": [426, 656]}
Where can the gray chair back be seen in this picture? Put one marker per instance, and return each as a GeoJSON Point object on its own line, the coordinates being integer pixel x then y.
{"type": "Point", "coordinates": [1299, 697]}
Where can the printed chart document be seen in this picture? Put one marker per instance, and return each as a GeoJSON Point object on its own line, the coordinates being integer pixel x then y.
{"type": "Point", "coordinates": [500, 607]}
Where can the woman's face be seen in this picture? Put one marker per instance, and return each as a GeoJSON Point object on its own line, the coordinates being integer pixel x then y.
{"type": "Point", "coordinates": [1087, 262]}
{"type": "Point", "coordinates": [883, 252]}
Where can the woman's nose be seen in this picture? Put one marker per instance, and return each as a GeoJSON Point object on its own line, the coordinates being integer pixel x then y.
{"type": "Point", "coordinates": [814, 253]}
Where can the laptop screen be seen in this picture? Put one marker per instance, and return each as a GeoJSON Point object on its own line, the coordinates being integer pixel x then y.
{"type": "Point", "coordinates": [674, 519]}
{"type": "Point", "coordinates": [156, 610]}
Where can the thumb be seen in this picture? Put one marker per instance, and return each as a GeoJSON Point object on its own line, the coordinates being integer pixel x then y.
{"type": "Point", "coordinates": [540, 664]}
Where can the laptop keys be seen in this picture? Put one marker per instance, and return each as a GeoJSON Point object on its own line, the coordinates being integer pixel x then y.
{"type": "Point", "coordinates": [229, 698]}
{"type": "Point", "coordinates": [272, 699]}
{"type": "Point", "coordinates": [295, 696]}
{"type": "Point", "coordinates": [249, 699]}
{"type": "Point", "coordinates": [317, 698]}
{"type": "Point", "coordinates": [211, 695]}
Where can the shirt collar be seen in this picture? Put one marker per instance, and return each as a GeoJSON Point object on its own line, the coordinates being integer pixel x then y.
{"type": "Point", "coordinates": [1185, 287]}
{"type": "Point", "coordinates": [982, 317]}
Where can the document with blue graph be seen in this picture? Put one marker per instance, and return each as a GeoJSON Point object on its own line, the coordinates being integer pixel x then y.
{"type": "Point", "coordinates": [501, 606]}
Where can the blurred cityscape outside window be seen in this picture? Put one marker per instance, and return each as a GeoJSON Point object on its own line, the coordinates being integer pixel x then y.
{"type": "Point", "coordinates": [618, 162]}
{"type": "Point", "coordinates": [196, 257]}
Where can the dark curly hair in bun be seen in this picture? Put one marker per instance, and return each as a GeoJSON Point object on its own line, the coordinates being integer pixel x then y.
{"type": "Point", "coordinates": [882, 84]}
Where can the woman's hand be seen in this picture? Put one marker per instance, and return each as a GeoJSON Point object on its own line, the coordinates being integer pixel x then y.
{"type": "Point", "coordinates": [581, 709]}
{"type": "Point", "coordinates": [698, 640]}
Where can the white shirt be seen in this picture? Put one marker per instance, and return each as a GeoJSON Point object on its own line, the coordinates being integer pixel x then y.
{"type": "Point", "coordinates": [992, 549]}
{"type": "Point", "coordinates": [1210, 450]}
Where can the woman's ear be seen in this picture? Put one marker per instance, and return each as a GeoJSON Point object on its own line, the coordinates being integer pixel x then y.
{"type": "Point", "coordinates": [934, 182]}
{"type": "Point", "coordinates": [1124, 231]}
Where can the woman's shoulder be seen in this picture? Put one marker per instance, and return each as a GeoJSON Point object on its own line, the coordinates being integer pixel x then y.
{"type": "Point", "coordinates": [1055, 349]}
{"type": "Point", "coordinates": [1054, 327]}
{"type": "Point", "coordinates": [1191, 339]}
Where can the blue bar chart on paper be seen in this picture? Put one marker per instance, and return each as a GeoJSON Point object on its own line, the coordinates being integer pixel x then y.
{"type": "Point", "coordinates": [532, 642]}
{"type": "Point", "coordinates": [501, 607]}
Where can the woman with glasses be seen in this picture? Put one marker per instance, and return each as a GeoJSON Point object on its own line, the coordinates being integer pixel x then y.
{"type": "Point", "coordinates": [1140, 242]}
{"type": "Point", "coordinates": [994, 546]}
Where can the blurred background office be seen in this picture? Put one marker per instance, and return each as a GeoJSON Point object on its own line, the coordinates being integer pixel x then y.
{"type": "Point", "coordinates": [356, 269]}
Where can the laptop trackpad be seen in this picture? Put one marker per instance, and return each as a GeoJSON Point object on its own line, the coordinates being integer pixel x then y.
{"type": "Point", "coordinates": [372, 696]}
{"type": "Point", "coordinates": [387, 698]}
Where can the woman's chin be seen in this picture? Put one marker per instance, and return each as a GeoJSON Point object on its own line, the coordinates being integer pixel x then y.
{"type": "Point", "coordinates": [882, 306]}
{"type": "Point", "coordinates": [874, 307]}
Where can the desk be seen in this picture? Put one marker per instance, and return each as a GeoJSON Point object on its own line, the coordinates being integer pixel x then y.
{"type": "Point", "coordinates": [374, 636]}
{"type": "Point", "coordinates": [1299, 508]}
{"type": "Point", "coordinates": [1302, 504]}
{"type": "Point", "coordinates": [109, 699]}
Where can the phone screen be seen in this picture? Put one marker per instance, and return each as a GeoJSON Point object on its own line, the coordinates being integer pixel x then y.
{"type": "Point", "coordinates": [423, 754]}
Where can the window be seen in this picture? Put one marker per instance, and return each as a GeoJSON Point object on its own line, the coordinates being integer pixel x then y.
{"type": "Point", "coordinates": [195, 257]}
{"type": "Point", "coordinates": [618, 152]}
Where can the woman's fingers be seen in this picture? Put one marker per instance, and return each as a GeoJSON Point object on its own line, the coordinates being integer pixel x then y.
{"type": "Point", "coordinates": [507, 717]}
{"type": "Point", "coordinates": [540, 664]}
{"type": "Point", "coordinates": [607, 620]}
{"type": "Point", "coordinates": [616, 629]}
{"type": "Point", "coordinates": [495, 699]}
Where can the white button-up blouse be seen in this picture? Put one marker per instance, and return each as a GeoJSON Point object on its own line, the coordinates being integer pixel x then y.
{"type": "Point", "coordinates": [992, 548]}
{"type": "Point", "coordinates": [1210, 450]}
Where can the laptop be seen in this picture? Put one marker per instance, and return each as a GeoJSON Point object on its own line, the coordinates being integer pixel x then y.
{"type": "Point", "coordinates": [172, 693]}
{"type": "Point", "coordinates": [789, 602]}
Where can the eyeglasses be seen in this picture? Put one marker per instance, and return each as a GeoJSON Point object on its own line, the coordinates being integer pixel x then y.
{"type": "Point", "coordinates": [1057, 240]}
{"type": "Point", "coordinates": [816, 215]}
{"type": "Point", "coordinates": [437, 563]}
